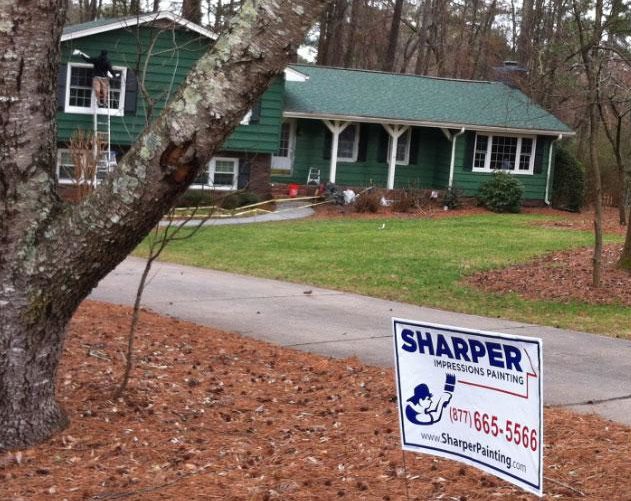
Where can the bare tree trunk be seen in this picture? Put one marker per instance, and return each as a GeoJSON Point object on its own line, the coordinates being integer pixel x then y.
{"type": "Point", "coordinates": [349, 56]}
{"type": "Point", "coordinates": [590, 54]}
{"type": "Point", "coordinates": [393, 39]}
{"type": "Point", "coordinates": [192, 10]}
{"type": "Point", "coordinates": [625, 258]}
{"type": "Point", "coordinates": [51, 254]}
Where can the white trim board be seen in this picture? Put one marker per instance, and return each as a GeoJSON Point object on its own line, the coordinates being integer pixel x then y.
{"type": "Point", "coordinates": [420, 123]}
{"type": "Point", "coordinates": [128, 22]}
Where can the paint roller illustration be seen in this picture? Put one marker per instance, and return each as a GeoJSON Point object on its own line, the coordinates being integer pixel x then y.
{"type": "Point", "coordinates": [450, 383]}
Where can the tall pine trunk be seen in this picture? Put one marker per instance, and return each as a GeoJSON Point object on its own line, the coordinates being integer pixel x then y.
{"type": "Point", "coordinates": [51, 254]}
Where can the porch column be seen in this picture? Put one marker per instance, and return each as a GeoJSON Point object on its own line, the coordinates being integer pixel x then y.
{"type": "Point", "coordinates": [336, 127]}
{"type": "Point", "coordinates": [395, 132]}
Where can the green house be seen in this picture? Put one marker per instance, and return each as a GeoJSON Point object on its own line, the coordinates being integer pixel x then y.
{"type": "Point", "coordinates": [364, 128]}
{"type": "Point", "coordinates": [313, 124]}
{"type": "Point", "coordinates": [151, 55]}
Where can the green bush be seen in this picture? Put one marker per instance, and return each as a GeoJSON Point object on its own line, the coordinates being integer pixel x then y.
{"type": "Point", "coordinates": [501, 193]}
{"type": "Point", "coordinates": [239, 199]}
{"type": "Point", "coordinates": [568, 187]}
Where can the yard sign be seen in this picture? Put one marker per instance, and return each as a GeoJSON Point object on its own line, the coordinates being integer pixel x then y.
{"type": "Point", "coordinates": [472, 396]}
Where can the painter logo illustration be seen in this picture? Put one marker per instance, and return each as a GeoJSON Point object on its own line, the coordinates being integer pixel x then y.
{"type": "Point", "coordinates": [423, 409]}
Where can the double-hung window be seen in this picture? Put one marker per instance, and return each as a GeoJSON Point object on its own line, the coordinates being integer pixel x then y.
{"type": "Point", "coordinates": [221, 174]}
{"type": "Point", "coordinates": [79, 94]}
{"type": "Point", "coordinates": [65, 167]}
{"type": "Point", "coordinates": [403, 148]}
{"type": "Point", "coordinates": [348, 144]}
{"type": "Point", "coordinates": [82, 168]}
{"type": "Point", "coordinates": [511, 153]}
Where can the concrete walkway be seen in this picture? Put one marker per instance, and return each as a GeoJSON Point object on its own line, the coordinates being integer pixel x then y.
{"type": "Point", "coordinates": [285, 211]}
{"type": "Point", "coordinates": [582, 371]}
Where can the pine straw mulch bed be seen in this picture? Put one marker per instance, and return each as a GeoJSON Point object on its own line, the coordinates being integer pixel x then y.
{"type": "Point", "coordinates": [212, 415]}
{"type": "Point", "coordinates": [563, 277]}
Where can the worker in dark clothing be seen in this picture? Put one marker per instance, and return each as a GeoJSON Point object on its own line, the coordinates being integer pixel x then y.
{"type": "Point", "coordinates": [102, 73]}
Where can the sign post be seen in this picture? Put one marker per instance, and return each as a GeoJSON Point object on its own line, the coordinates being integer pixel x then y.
{"type": "Point", "coordinates": [472, 396]}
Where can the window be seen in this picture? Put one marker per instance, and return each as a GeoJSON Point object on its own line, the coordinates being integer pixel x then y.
{"type": "Point", "coordinates": [221, 174]}
{"type": "Point", "coordinates": [285, 137]}
{"type": "Point", "coordinates": [79, 94]}
{"type": "Point", "coordinates": [511, 153]}
{"type": "Point", "coordinates": [67, 172]}
{"type": "Point", "coordinates": [246, 118]}
{"type": "Point", "coordinates": [403, 148]}
{"type": "Point", "coordinates": [65, 167]}
{"type": "Point", "coordinates": [348, 144]}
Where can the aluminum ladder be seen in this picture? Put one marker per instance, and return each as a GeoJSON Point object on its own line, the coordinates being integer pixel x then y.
{"type": "Point", "coordinates": [102, 138]}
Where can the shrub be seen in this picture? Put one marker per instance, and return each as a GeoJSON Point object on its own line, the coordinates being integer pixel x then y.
{"type": "Point", "coordinates": [452, 198]}
{"type": "Point", "coordinates": [369, 201]}
{"type": "Point", "coordinates": [195, 198]}
{"type": "Point", "coordinates": [501, 193]}
{"type": "Point", "coordinates": [568, 187]}
{"type": "Point", "coordinates": [405, 201]}
{"type": "Point", "coordinates": [239, 199]}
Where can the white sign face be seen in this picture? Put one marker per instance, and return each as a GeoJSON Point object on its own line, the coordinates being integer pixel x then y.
{"type": "Point", "coordinates": [472, 396]}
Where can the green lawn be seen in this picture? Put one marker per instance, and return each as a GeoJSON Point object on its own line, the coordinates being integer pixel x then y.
{"type": "Point", "coordinates": [417, 261]}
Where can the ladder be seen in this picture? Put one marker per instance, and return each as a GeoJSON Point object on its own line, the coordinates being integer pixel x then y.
{"type": "Point", "coordinates": [101, 148]}
{"type": "Point", "coordinates": [313, 177]}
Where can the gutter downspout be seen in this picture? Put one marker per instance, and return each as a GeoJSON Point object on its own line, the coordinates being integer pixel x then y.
{"type": "Point", "coordinates": [546, 199]}
{"type": "Point", "coordinates": [453, 157]}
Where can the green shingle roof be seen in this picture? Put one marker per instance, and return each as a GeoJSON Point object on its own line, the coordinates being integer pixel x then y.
{"type": "Point", "coordinates": [93, 24]}
{"type": "Point", "coordinates": [448, 102]}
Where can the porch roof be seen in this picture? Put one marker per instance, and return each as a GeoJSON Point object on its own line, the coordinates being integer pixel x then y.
{"type": "Point", "coordinates": [337, 93]}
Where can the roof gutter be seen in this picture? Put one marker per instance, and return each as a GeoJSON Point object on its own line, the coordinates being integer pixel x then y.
{"type": "Point", "coordinates": [452, 163]}
{"type": "Point", "coordinates": [422, 123]}
{"type": "Point", "coordinates": [546, 199]}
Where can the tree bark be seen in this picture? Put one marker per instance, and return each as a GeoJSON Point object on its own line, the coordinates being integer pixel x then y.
{"type": "Point", "coordinates": [393, 39]}
{"type": "Point", "coordinates": [51, 254]}
{"type": "Point", "coordinates": [192, 10]}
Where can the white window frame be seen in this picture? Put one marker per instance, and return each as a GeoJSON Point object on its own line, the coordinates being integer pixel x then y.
{"type": "Point", "coordinates": [246, 118]}
{"type": "Point", "coordinates": [211, 174]}
{"type": "Point", "coordinates": [60, 153]}
{"type": "Point", "coordinates": [355, 145]}
{"type": "Point", "coordinates": [115, 112]}
{"type": "Point", "coordinates": [489, 147]}
{"type": "Point", "coordinates": [72, 181]}
{"type": "Point", "coordinates": [406, 158]}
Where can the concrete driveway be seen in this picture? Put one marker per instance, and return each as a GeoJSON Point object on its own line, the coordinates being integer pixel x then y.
{"type": "Point", "coordinates": [582, 371]}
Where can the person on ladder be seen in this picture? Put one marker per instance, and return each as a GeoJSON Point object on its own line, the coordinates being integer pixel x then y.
{"type": "Point", "coordinates": [102, 73]}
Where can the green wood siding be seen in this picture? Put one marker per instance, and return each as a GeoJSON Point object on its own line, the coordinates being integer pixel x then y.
{"type": "Point", "coordinates": [431, 170]}
{"type": "Point", "coordinates": [469, 182]}
{"type": "Point", "coordinates": [171, 54]}
{"type": "Point", "coordinates": [264, 136]}
{"type": "Point", "coordinates": [433, 155]}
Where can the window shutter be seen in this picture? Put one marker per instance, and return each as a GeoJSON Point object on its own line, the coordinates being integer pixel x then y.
{"type": "Point", "coordinates": [362, 147]}
{"type": "Point", "coordinates": [541, 144]}
{"type": "Point", "coordinates": [382, 152]}
{"type": "Point", "coordinates": [469, 152]}
{"type": "Point", "coordinates": [244, 175]}
{"type": "Point", "coordinates": [255, 118]}
{"type": "Point", "coordinates": [415, 140]}
{"type": "Point", "coordinates": [131, 92]}
{"type": "Point", "coordinates": [61, 86]}
{"type": "Point", "coordinates": [328, 143]}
